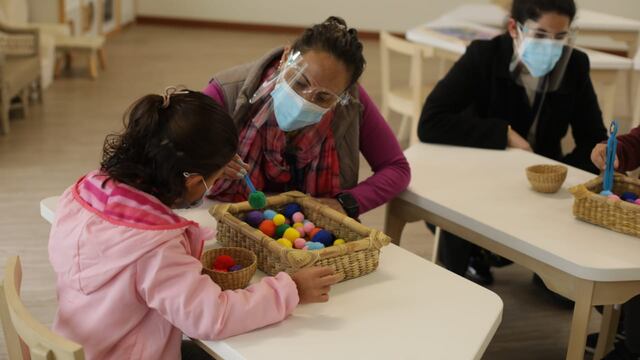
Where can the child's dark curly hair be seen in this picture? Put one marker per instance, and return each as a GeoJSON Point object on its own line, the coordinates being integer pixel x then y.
{"type": "Point", "coordinates": [191, 134]}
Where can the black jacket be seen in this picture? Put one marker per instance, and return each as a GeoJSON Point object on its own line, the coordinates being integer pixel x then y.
{"type": "Point", "coordinates": [477, 100]}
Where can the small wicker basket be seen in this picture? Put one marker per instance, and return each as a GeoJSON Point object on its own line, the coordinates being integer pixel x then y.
{"type": "Point", "coordinates": [546, 178]}
{"type": "Point", "coordinates": [357, 257]}
{"type": "Point", "coordinates": [617, 215]}
{"type": "Point", "coordinates": [232, 280]}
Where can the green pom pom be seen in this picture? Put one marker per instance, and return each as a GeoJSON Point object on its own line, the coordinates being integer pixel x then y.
{"type": "Point", "coordinates": [257, 200]}
{"type": "Point", "coordinates": [280, 230]}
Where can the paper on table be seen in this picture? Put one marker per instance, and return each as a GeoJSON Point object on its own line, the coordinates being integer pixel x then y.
{"type": "Point", "coordinates": [464, 33]}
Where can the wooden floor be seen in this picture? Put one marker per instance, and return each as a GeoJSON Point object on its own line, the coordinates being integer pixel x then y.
{"type": "Point", "coordinates": [62, 139]}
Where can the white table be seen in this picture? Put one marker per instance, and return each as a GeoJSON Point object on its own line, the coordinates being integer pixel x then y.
{"type": "Point", "coordinates": [606, 69]}
{"type": "Point", "coordinates": [484, 197]}
{"type": "Point", "coordinates": [408, 308]}
{"type": "Point", "coordinates": [590, 23]}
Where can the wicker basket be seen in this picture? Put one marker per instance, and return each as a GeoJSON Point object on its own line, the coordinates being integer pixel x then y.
{"type": "Point", "coordinates": [616, 215]}
{"type": "Point", "coordinates": [357, 257]}
{"type": "Point", "coordinates": [233, 280]}
{"type": "Point", "coordinates": [546, 178]}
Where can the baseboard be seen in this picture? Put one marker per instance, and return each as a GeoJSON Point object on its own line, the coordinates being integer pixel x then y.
{"type": "Point", "coordinates": [250, 27]}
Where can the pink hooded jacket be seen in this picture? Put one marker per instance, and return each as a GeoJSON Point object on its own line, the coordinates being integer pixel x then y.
{"type": "Point", "coordinates": [129, 282]}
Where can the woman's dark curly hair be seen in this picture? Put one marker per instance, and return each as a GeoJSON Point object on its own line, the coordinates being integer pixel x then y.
{"type": "Point", "coordinates": [523, 10]}
{"type": "Point", "coordinates": [334, 37]}
{"type": "Point", "coordinates": [192, 134]}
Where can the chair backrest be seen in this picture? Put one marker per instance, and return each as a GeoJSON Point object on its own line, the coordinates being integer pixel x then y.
{"type": "Point", "coordinates": [25, 337]}
{"type": "Point", "coordinates": [410, 110]}
{"type": "Point", "coordinates": [391, 44]}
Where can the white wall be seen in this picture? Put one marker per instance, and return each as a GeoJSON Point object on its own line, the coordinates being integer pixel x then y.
{"type": "Point", "coordinates": [394, 15]}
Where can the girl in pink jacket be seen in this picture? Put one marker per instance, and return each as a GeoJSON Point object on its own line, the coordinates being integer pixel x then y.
{"type": "Point", "coordinates": [129, 278]}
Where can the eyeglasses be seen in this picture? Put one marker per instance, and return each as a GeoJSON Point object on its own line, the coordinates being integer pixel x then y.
{"type": "Point", "coordinates": [532, 31]}
{"type": "Point", "coordinates": [305, 86]}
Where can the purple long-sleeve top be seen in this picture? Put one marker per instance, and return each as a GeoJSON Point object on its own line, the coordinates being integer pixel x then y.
{"type": "Point", "coordinates": [378, 144]}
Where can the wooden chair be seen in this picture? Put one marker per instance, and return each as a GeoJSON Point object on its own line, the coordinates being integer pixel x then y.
{"type": "Point", "coordinates": [19, 69]}
{"type": "Point", "coordinates": [88, 46]}
{"type": "Point", "coordinates": [25, 337]}
{"type": "Point", "coordinates": [506, 4]}
{"type": "Point", "coordinates": [406, 100]}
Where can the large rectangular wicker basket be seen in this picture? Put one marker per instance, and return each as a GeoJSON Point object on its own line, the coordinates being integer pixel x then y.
{"type": "Point", "coordinates": [357, 257]}
{"type": "Point", "coordinates": [616, 215]}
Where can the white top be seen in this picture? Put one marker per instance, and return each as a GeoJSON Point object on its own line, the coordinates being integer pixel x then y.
{"type": "Point", "coordinates": [408, 308]}
{"type": "Point", "coordinates": [488, 192]}
{"type": "Point", "coordinates": [428, 34]}
{"type": "Point", "coordinates": [494, 15]}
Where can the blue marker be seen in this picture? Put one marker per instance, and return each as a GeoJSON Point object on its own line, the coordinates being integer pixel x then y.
{"type": "Point", "coordinates": [612, 143]}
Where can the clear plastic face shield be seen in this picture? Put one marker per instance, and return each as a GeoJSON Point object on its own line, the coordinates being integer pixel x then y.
{"type": "Point", "coordinates": [541, 55]}
{"type": "Point", "coordinates": [297, 99]}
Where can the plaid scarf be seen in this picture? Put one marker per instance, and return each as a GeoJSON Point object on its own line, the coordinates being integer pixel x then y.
{"type": "Point", "coordinates": [263, 145]}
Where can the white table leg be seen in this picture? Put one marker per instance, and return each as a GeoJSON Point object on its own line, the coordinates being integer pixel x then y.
{"type": "Point", "coordinates": [580, 322]}
{"type": "Point", "coordinates": [608, 330]}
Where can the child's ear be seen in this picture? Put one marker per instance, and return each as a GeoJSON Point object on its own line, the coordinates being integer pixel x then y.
{"type": "Point", "coordinates": [192, 182]}
{"type": "Point", "coordinates": [285, 55]}
{"type": "Point", "coordinates": [512, 27]}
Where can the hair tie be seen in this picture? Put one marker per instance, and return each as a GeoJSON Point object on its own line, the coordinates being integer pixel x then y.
{"type": "Point", "coordinates": [169, 91]}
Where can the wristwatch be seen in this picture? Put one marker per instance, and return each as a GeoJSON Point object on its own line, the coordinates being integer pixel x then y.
{"type": "Point", "coordinates": [349, 204]}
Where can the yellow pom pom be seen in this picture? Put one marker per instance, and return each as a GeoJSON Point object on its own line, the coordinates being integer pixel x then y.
{"type": "Point", "coordinates": [298, 225]}
{"type": "Point", "coordinates": [291, 234]}
{"type": "Point", "coordinates": [339, 242]}
{"type": "Point", "coordinates": [279, 219]}
{"type": "Point", "coordinates": [285, 242]}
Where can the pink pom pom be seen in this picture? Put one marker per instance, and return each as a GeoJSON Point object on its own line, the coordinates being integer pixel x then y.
{"type": "Point", "coordinates": [299, 243]}
{"type": "Point", "coordinates": [298, 217]}
{"type": "Point", "coordinates": [614, 197]}
{"type": "Point", "coordinates": [308, 227]}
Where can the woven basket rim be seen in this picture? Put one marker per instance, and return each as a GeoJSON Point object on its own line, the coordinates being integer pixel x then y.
{"type": "Point", "coordinates": [254, 259]}
{"type": "Point", "coordinates": [561, 169]}
{"type": "Point", "coordinates": [586, 191]}
{"type": "Point", "coordinates": [372, 239]}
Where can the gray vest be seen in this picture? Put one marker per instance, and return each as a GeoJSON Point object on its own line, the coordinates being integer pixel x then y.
{"type": "Point", "coordinates": [239, 84]}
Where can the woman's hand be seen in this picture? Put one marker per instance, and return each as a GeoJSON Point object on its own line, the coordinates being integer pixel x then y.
{"type": "Point", "coordinates": [599, 157]}
{"type": "Point", "coordinates": [332, 203]}
{"type": "Point", "coordinates": [236, 169]}
{"type": "Point", "coordinates": [314, 283]}
{"type": "Point", "coordinates": [514, 140]}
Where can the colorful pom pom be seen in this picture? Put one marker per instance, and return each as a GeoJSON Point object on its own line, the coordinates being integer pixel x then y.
{"type": "Point", "coordinates": [299, 243]}
{"type": "Point", "coordinates": [269, 214]}
{"type": "Point", "coordinates": [254, 218]}
{"type": "Point", "coordinates": [279, 219]}
{"type": "Point", "coordinates": [268, 228]}
{"type": "Point", "coordinates": [285, 242]}
{"type": "Point", "coordinates": [291, 234]}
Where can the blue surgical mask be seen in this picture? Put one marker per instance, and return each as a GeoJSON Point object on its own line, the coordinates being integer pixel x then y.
{"type": "Point", "coordinates": [540, 56]}
{"type": "Point", "coordinates": [292, 111]}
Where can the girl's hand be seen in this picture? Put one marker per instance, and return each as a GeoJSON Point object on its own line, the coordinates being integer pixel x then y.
{"type": "Point", "coordinates": [314, 283]}
{"type": "Point", "coordinates": [236, 168]}
{"type": "Point", "coordinates": [599, 157]}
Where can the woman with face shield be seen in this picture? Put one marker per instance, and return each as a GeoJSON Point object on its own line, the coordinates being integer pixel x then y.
{"type": "Point", "coordinates": [522, 89]}
{"type": "Point", "coordinates": [304, 120]}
